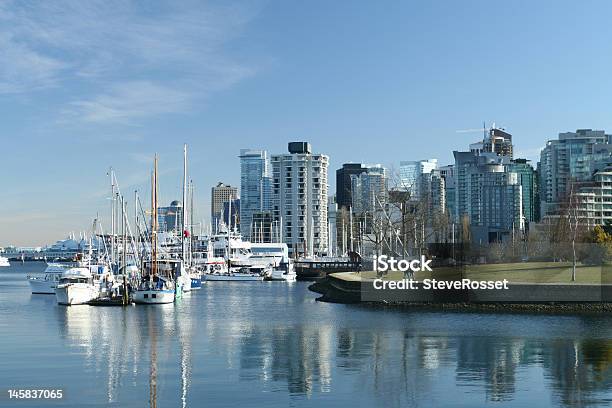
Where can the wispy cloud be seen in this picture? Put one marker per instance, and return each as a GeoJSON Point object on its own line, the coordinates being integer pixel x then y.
{"type": "Point", "coordinates": [118, 60]}
{"type": "Point", "coordinates": [129, 100]}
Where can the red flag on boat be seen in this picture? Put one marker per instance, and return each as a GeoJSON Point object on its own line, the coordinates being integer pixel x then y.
{"type": "Point", "coordinates": [186, 234]}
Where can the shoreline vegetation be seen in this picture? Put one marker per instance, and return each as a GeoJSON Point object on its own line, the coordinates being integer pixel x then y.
{"type": "Point", "coordinates": [531, 283]}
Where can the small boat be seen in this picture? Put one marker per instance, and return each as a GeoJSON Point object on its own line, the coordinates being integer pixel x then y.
{"type": "Point", "coordinates": [276, 256]}
{"type": "Point", "coordinates": [285, 275]}
{"type": "Point", "coordinates": [157, 285]}
{"type": "Point", "coordinates": [45, 285]}
{"type": "Point", "coordinates": [196, 279]}
{"type": "Point", "coordinates": [4, 261]}
{"type": "Point", "coordinates": [155, 290]}
{"type": "Point", "coordinates": [76, 287]}
{"type": "Point", "coordinates": [242, 274]}
{"type": "Point", "coordinates": [184, 281]}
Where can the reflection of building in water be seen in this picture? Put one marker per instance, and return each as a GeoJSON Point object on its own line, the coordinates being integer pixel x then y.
{"type": "Point", "coordinates": [580, 371]}
{"type": "Point", "coordinates": [395, 365]}
{"type": "Point", "coordinates": [300, 356]}
{"type": "Point", "coordinates": [492, 360]}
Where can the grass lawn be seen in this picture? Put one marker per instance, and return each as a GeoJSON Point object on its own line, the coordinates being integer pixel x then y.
{"type": "Point", "coordinates": [524, 272]}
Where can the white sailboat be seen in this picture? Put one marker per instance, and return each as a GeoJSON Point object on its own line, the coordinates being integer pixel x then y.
{"type": "Point", "coordinates": [157, 285]}
{"type": "Point", "coordinates": [4, 261]}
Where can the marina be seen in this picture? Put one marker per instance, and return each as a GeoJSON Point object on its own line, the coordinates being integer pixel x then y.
{"type": "Point", "coordinates": [279, 347]}
{"type": "Point", "coordinates": [305, 204]}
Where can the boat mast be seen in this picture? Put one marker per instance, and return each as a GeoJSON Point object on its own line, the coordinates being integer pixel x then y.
{"type": "Point", "coordinates": [183, 215]}
{"type": "Point", "coordinates": [112, 179]}
{"type": "Point", "coordinates": [154, 220]}
{"type": "Point", "coordinates": [229, 255]}
{"type": "Point", "coordinates": [191, 211]}
{"type": "Point", "coordinates": [123, 231]}
{"type": "Point", "coordinates": [136, 228]}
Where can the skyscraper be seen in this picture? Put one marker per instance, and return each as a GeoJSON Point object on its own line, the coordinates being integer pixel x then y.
{"type": "Point", "coordinates": [344, 197]}
{"type": "Point", "coordinates": [573, 157]}
{"type": "Point", "coordinates": [488, 195]}
{"type": "Point", "coordinates": [528, 180]}
{"type": "Point", "coordinates": [410, 175]}
{"type": "Point", "coordinates": [169, 218]}
{"type": "Point", "coordinates": [255, 193]}
{"type": "Point", "coordinates": [448, 175]}
{"type": "Point", "coordinates": [299, 198]}
{"type": "Point", "coordinates": [498, 141]}
{"type": "Point", "coordinates": [369, 189]}
{"type": "Point", "coordinates": [220, 194]}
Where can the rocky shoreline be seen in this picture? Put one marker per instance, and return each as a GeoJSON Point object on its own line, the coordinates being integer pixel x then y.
{"type": "Point", "coordinates": [334, 290]}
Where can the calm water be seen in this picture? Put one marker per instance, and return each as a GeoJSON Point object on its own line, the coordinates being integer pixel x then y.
{"type": "Point", "coordinates": [271, 344]}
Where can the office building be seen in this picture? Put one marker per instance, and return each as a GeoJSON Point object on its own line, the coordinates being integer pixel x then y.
{"type": "Point", "coordinates": [255, 192]}
{"type": "Point", "coordinates": [448, 175]}
{"type": "Point", "coordinates": [231, 214]}
{"type": "Point", "coordinates": [369, 189]}
{"type": "Point", "coordinates": [344, 197]}
{"type": "Point", "coordinates": [410, 176]}
{"type": "Point", "coordinates": [170, 218]}
{"type": "Point", "coordinates": [220, 194]}
{"type": "Point", "coordinates": [527, 178]}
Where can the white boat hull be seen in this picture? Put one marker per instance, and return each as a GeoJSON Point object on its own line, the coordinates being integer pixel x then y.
{"type": "Point", "coordinates": [152, 297]}
{"type": "Point", "coordinates": [233, 277]}
{"type": "Point", "coordinates": [282, 276]}
{"type": "Point", "coordinates": [185, 282]}
{"type": "Point", "coordinates": [75, 294]}
{"type": "Point", "coordinates": [42, 286]}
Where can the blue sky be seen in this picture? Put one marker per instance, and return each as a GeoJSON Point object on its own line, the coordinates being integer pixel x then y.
{"type": "Point", "coordinates": [88, 85]}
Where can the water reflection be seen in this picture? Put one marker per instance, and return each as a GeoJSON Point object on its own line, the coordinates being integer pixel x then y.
{"type": "Point", "coordinates": [394, 362]}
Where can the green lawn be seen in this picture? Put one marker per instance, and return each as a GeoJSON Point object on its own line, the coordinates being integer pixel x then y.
{"type": "Point", "coordinates": [525, 272]}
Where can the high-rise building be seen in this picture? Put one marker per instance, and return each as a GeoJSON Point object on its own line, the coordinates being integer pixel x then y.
{"type": "Point", "coordinates": [498, 141]}
{"type": "Point", "coordinates": [231, 213]}
{"type": "Point", "coordinates": [220, 194]}
{"type": "Point", "coordinates": [573, 157]}
{"type": "Point", "coordinates": [410, 176]}
{"type": "Point", "coordinates": [369, 189]}
{"type": "Point", "coordinates": [488, 195]}
{"type": "Point", "coordinates": [527, 178]}
{"type": "Point", "coordinates": [263, 228]}
{"type": "Point", "coordinates": [448, 175]}
{"type": "Point", "coordinates": [344, 197]}
{"type": "Point", "coordinates": [170, 218]}
{"type": "Point", "coordinates": [435, 184]}
{"type": "Point", "coordinates": [255, 192]}
{"type": "Point", "coordinates": [332, 219]}
{"type": "Point", "coordinates": [594, 199]}
{"type": "Point", "coordinates": [299, 198]}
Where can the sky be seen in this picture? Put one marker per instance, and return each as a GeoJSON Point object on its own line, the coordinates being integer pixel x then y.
{"type": "Point", "coordinates": [89, 85]}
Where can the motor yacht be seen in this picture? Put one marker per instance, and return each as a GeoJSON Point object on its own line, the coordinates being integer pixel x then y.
{"type": "Point", "coordinates": [76, 286]}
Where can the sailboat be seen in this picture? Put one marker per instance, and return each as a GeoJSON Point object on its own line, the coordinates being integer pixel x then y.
{"type": "Point", "coordinates": [157, 285]}
{"type": "Point", "coordinates": [182, 274]}
{"type": "Point", "coordinates": [4, 261]}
